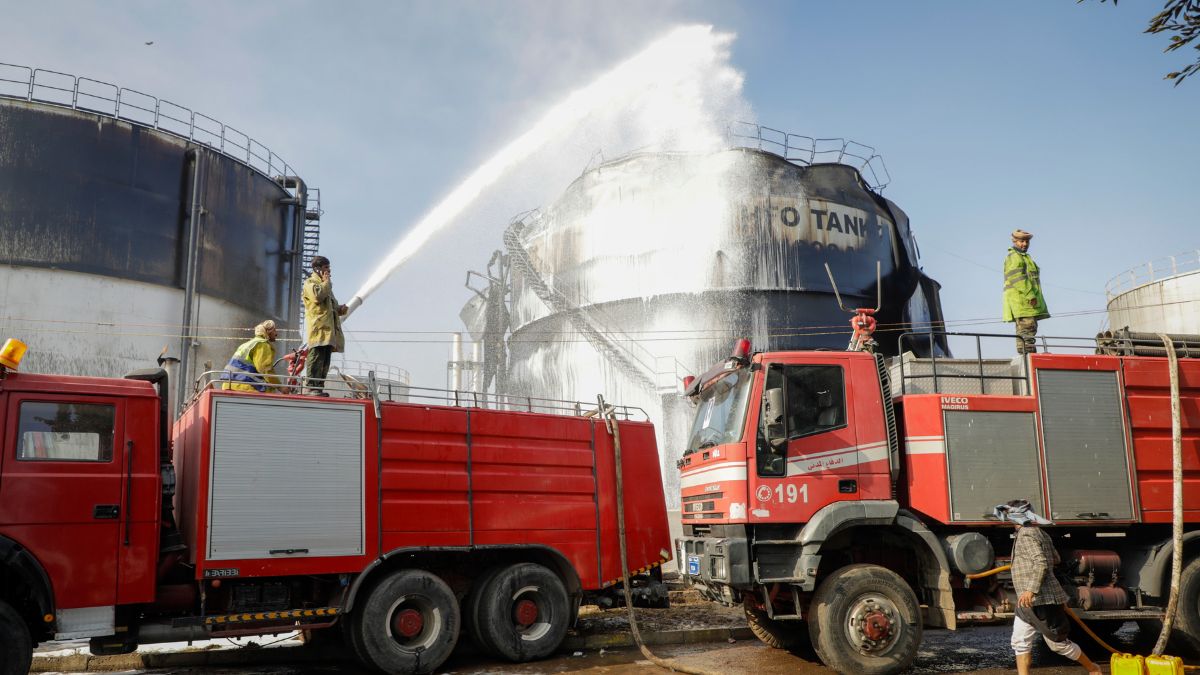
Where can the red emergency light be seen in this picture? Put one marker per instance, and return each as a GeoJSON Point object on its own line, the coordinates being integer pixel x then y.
{"type": "Point", "coordinates": [741, 349]}
{"type": "Point", "coordinates": [687, 382]}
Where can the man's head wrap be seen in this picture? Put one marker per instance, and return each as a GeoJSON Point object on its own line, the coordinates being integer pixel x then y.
{"type": "Point", "coordinates": [1020, 512]}
{"type": "Point", "coordinates": [263, 328]}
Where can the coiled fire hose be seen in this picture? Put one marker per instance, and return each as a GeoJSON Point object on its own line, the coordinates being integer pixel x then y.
{"type": "Point", "coordinates": [610, 421]}
{"type": "Point", "coordinates": [1176, 519]}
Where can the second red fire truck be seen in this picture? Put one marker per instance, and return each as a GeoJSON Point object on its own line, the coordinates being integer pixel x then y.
{"type": "Point", "coordinates": [848, 501]}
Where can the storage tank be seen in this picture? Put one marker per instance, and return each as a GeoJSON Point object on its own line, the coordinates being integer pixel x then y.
{"type": "Point", "coordinates": [1161, 296]}
{"type": "Point", "coordinates": [649, 266]}
{"type": "Point", "coordinates": [130, 224]}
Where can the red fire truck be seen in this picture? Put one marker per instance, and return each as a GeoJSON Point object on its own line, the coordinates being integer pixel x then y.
{"type": "Point", "coordinates": [845, 500]}
{"type": "Point", "coordinates": [404, 523]}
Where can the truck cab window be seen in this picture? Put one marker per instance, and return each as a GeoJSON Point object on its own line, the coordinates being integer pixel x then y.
{"type": "Point", "coordinates": [721, 412]}
{"type": "Point", "coordinates": [79, 432]}
{"type": "Point", "coordinates": [798, 401]}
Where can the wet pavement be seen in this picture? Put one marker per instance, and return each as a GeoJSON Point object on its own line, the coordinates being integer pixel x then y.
{"type": "Point", "coordinates": [973, 650]}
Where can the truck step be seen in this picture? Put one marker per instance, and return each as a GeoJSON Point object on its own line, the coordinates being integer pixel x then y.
{"type": "Point", "coordinates": [776, 542]}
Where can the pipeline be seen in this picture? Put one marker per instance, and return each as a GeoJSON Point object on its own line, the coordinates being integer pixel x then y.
{"type": "Point", "coordinates": [1124, 342]}
{"type": "Point", "coordinates": [610, 421]}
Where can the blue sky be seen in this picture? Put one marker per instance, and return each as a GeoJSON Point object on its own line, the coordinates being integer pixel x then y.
{"type": "Point", "coordinates": [1046, 115]}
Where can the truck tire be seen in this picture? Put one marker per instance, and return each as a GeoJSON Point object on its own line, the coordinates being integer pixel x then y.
{"type": "Point", "coordinates": [408, 623]}
{"type": "Point", "coordinates": [864, 619]}
{"type": "Point", "coordinates": [1186, 629]}
{"type": "Point", "coordinates": [523, 612]}
{"type": "Point", "coordinates": [16, 645]}
{"type": "Point", "coordinates": [775, 634]}
{"type": "Point", "coordinates": [472, 619]}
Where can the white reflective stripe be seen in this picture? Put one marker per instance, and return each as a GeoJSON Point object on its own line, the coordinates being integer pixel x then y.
{"type": "Point", "coordinates": [864, 454]}
{"type": "Point", "coordinates": [926, 446]}
{"type": "Point", "coordinates": [924, 438]}
{"type": "Point", "coordinates": [714, 474]}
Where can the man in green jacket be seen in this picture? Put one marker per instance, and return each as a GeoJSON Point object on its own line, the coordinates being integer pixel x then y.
{"type": "Point", "coordinates": [321, 312]}
{"type": "Point", "coordinates": [1023, 301]}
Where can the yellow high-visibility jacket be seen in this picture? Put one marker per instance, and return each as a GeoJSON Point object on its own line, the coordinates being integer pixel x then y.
{"type": "Point", "coordinates": [249, 369]}
{"type": "Point", "coordinates": [1022, 288]}
{"type": "Point", "coordinates": [321, 314]}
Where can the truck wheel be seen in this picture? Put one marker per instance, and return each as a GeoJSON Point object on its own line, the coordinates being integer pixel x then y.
{"type": "Point", "coordinates": [775, 634]}
{"type": "Point", "coordinates": [408, 624]}
{"type": "Point", "coordinates": [16, 645]}
{"type": "Point", "coordinates": [865, 620]}
{"type": "Point", "coordinates": [1186, 629]}
{"type": "Point", "coordinates": [523, 612]}
{"type": "Point", "coordinates": [472, 610]}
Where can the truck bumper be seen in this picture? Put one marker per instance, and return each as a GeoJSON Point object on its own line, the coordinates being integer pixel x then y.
{"type": "Point", "coordinates": [718, 567]}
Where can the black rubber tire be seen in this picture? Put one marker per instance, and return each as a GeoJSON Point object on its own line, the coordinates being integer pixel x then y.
{"type": "Point", "coordinates": [16, 645]}
{"type": "Point", "coordinates": [829, 620]}
{"type": "Point", "coordinates": [776, 634]}
{"type": "Point", "coordinates": [472, 621]}
{"type": "Point", "coordinates": [1185, 632]}
{"type": "Point", "coordinates": [499, 601]}
{"type": "Point", "coordinates": [419, 594]}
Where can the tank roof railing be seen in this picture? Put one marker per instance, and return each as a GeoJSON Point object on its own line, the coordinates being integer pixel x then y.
{"type": "Point", "coordinates": [1155, 270]}
{"type": "Point", "coordinates": [806, 150]}
{"type": "Point", "coordinates": [344, 386]}
{"type": "Point", "coordinates": [83, 93]}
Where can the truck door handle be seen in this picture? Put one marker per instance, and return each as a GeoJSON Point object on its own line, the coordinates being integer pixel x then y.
{"type": "Point", "coordinates": [106, 511]}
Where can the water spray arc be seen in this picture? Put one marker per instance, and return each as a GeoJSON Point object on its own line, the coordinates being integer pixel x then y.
{"type": "Point", "coordinates": [667, 61]}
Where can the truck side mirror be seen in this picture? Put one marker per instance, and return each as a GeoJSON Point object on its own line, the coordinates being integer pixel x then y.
{"type": "Point", "coordinates": [773, 417]}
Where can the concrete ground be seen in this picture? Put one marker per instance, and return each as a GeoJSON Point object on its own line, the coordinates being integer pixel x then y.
{"type": "Point", "coordinates": [979, 650]}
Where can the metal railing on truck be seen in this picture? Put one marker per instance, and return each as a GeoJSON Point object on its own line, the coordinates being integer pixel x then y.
{"type": "Point", "coordinates": [946, 370]}
{"type": "Point", "coordinates": [345, 386]}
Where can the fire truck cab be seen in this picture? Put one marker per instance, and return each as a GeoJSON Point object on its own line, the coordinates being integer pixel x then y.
{"type": "Point", "coordinates": [846, 499]}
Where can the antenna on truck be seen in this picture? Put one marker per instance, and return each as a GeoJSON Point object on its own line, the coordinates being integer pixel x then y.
{"type": "Point", "coordinates": [863, 323]}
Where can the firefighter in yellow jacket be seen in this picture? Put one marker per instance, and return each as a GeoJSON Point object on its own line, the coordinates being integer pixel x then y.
{"type": "Point", "coordinates": [321, 315]}
{"type": "Point", "coordinates": [249, 369]}
{"type": "Point", "coordinates": [1023, 301]}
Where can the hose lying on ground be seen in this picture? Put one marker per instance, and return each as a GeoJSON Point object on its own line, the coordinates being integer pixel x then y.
{"type": "Point", "coordinates": [610, 420]}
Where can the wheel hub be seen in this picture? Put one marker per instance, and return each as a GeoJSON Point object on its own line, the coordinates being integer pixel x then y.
{"type": "Point", "coordinates": [873, 624]}
{"type": "Point", "coordinates": [525, 612]}
{"type": "Point", "coordinates": [877, 626]}
{"type": "Point", "coordinates": [408, 623]}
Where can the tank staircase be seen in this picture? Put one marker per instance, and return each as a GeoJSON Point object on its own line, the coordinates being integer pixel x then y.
{"type": "Point", "coordinates": [312, 228]}
{"type": "Point", "coordinates": [603, 340]}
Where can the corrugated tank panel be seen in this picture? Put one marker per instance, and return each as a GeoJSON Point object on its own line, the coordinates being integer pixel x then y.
{"type": "Point", "coordinates": [285, 475]}
{"type": "Point", "coordinates": [1084, 433]}
{"type": "Point", "coordinates": [992, 458]}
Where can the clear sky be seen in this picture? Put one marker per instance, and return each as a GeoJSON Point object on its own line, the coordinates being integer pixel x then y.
{"type": "Point", "coordinates": [1042, 114]}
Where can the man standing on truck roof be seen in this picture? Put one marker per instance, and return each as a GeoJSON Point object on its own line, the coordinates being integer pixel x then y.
{"type": "Point", "coordinates": [1023, 301]}
{"type": "Point", "coordinates": [321, 312]}
{"type": "Point", "coordinates": [1040, 598]}
{"type": "Point", "coordinates": [249, 369]}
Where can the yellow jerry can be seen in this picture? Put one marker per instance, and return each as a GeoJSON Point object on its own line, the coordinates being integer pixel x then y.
{"type": "Point", "coordinates": [1127, 664]}
{"type": "Point", "coordinates": [1164, 665]}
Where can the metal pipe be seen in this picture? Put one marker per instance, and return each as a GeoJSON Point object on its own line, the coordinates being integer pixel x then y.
{"type": "Point", "coordinates": [191, 273]}
{"type": "Point", "coordinates": [456, 357]}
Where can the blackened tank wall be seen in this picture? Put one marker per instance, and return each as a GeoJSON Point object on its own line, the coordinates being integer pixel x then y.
{"type": "Point", "coordinates": [87, 193]}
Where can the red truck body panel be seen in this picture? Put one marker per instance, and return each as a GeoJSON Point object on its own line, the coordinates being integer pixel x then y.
{"type": "Point", "coordinates": [1145, 416]}
{"type": "Point", "coordinates": [452, 477]}
{"type": "Point", "coordinates": [48, 505]}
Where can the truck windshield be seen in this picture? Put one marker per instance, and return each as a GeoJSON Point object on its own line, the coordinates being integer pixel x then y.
{"type": "Point", "coordinates": [722, 411]}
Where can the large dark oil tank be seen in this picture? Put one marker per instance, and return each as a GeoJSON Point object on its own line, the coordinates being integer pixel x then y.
{"type": "Point", "coordinates": [130, 224]}
{"type": "Point", "coordinates": [649, 266]}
